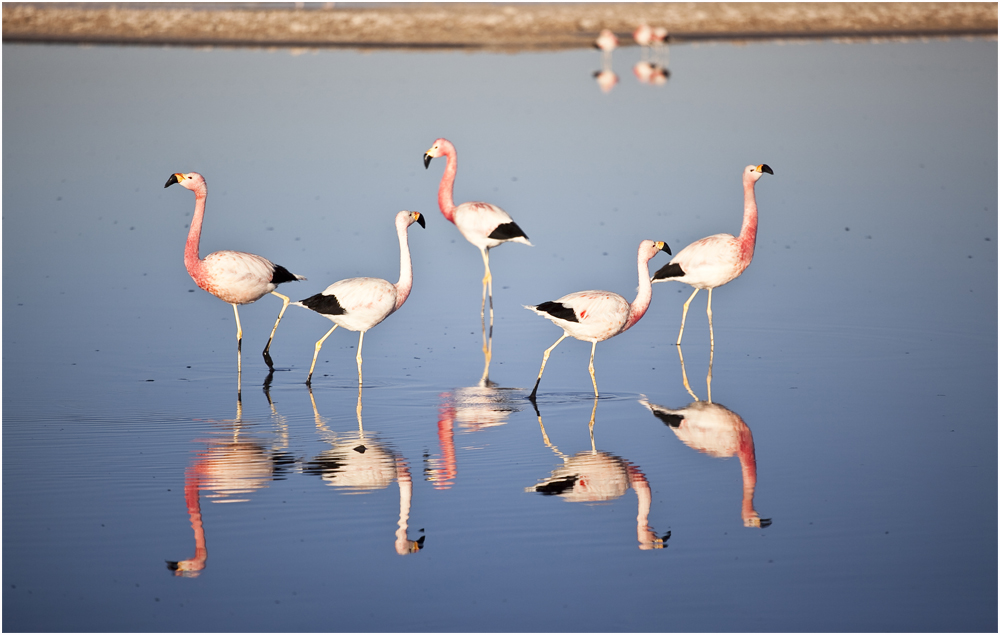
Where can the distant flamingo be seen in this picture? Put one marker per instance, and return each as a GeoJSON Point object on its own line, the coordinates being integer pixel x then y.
{"type": "Point", "coordinates": [358, 304]}
{"type": "Point", "coordinates": [606, 42]}
{"type": "Point", "coordinates": [594, 316]}
{"type": "Point", "coordinates": [484, 225]}
{"type": "Point", "coordinates": [643, 36]}
{"type": "Point", "coordinates": [713, 261]}
{"type": "Point", "coordinates": [232, 276]}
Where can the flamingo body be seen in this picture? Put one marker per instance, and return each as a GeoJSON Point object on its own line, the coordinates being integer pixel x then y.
{"type": "Point", "coordinates": [358, 304]}
{"type": "Point", "coordinates": [719, 259]}
{"type": "Point", "coordinates": [235, 277]}
{"type": "Point", "coordinates": [594, 316]}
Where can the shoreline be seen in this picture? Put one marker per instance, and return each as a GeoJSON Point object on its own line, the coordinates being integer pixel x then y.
{"type": "Point", "coordinates": [484, 27]}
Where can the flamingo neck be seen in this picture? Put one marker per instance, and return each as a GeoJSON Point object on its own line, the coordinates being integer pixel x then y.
{"type": "Point", "coordinates": [192, 260]}
{"type": "Point", "coordinates": [446, 199]}
{"type": "Point", "coordinates": [405, 268]}
{"type": "Point", "coordinates": [748, 233]}
{"type": "Point", "coordinates": [641, 303]}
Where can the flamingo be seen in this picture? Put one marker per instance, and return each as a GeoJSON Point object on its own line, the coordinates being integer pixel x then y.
{"type": "Point", "coordinates": [643, 36]}
{"type": "Point", "coordinates": [594, 316]}
{"type": "Point", "coordinates": [713, 261]}
{"type": "Point", "coordinates": [484, 225]}
{"type": "Point", "coordinates": [235, 277]}
{"type": "Point", "coordinates": [606, 41]}
{"type": "Point", "coordinates": [358, 304]}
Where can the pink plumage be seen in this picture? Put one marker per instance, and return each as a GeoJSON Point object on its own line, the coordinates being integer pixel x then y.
{"type": "Point", "coordinates": [235, 277]}
{"type": "Point", "coordinates": [594, 316]}
{"type": "Point", "coordinates": [715, 260]}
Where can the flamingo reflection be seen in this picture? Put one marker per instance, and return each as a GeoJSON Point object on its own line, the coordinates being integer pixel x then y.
{"type": "Point", "coordinates": [360, 463]}
{"type": "Point", "coordinates": [595, 476]}
{"type": "Point", "coordinates": [606, 78]}
{"type": "Point", "coordinates": [231, 467]}
{"type": "Point", "coordinates": [715, 430]}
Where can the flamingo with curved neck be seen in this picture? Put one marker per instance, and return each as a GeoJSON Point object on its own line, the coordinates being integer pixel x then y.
{"type": "Point", "coordinates": [715, 260]}
{"type": "Point", "coordinates": [358, 304]}
{"type": "Point", "coordinates": [484, 225]}
{"type": "Point", "coordinates": [235, 277]}
{"type": "Point", "coordinates": [594, 316]}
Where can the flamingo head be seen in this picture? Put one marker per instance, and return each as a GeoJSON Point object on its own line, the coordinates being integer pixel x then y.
{"type": "Point", "coordinates": [406, 218]}
{"type": "Point", "coordinates": [649, 248]}
{"type": "Point", "coordinates": [192, 181]}
{"type": "Point", "coordinates": [441, 147]}
{"type": "Point", "coordinates": [752, 173]}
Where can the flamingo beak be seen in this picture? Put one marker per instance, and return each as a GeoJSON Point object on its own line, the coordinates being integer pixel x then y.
{"type": "Point", "coordinates": [427, 160]}
{"type": "Point", "coordinates": [420, 219]}
{"type": "Point", "coordinates": [173, 179]}
{"type": "Point", "coordinates": [763, 167]}
{"type": "Point", "coordinates": [664, 247]}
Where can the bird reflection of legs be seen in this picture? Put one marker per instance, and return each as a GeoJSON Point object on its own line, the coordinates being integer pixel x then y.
{"type": "Point", "coordinates": [708, 379]}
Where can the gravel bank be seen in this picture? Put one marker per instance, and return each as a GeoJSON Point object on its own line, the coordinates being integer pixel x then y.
{"type": "Point", "coordinates": [506, 27]}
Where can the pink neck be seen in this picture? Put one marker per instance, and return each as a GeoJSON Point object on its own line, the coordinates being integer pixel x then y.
{"type": "Point", "coordinates": [641, 303]}
{"type": "Point", "coordinates": [446, 199]}
{"type": "Point", "coordinates": [192, 260]}
{"type": "Point", "coordinates": [748, 234]}
{"type": "Point", "coordinates": [405, 268]}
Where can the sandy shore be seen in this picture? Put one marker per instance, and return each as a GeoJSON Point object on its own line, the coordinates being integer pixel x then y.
{"type": "Point", "coordinates": [506, 27]}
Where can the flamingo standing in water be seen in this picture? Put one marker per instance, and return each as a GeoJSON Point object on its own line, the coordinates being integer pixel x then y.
{"type": "Point", "coordinates": [484, 225]}
{"type": "Point", "coordinates": [713, 261]}
{"type": "Point", "coordinates": [358, 304]}
{"type": "Point", "coordinates": [235, 277]}
{"type": "Point", "coordinates": [594, 316]}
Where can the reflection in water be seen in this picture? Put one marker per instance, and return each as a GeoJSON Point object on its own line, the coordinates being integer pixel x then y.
{"type": "Point", "coordinates": [231, 467]}
{"type": "Point", "coordinates": [606, 78]}
{"type": "Point", "coordinates": [359, 463]}
{"type": "Point", "coordinates": [594, 476]}
{"type": "Point", "coordinates": [717, 431]}
{"type": "Point", "coordinates": [484, 405]}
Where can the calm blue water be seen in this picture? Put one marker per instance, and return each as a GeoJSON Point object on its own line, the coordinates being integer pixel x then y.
{"type": "Point", "coordinates": [843, 479]}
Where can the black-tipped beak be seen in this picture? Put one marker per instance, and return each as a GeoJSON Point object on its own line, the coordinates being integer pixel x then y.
{"type": "Point", "coordinates": [766, 168]}
{"type": "Point", "coordinates": [171, 180]}
{"type": "Point", "coordinates": [420, 220]}
{"type": "Point", "coordinates": [427, 160]}
{"type": "Point", "coordinates": [666, 248]}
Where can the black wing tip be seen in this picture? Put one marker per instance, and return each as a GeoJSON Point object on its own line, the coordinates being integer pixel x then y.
{"type": "Point", "coordinates": [668, 271]}
{"type": "Point", "coordinates": [558, 310]}
{"type": "Point", "coordinates": [280, 275]}
{"type": "Point", "coordinates": [508, 231]}
{"type": "Point", "coordinates": [325, 304]}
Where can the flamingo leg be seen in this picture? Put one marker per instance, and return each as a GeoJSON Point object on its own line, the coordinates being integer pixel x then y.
{"type": "Point", "coordinates": [545, 358]}
{"type": "Point", "coordinates": [487, 282]}
{"type": "Point", "coordinates": [593, 378]}
{"type": "Point", "coordinates": [684, 316]}
{"type": "Point", "coordinates": [284, 305]}
{"type": "Point", "coordinates": [319, 345]}
{"type": "Point", "coordinates": [708, 379]}
{"type": "Point", "coordinates": [361, 341]}
{"type": "Point", "coordinates": [711, 331]}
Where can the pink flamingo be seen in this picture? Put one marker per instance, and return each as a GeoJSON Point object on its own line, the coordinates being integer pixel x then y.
{"type": "Point", "coordinates": [713, 261]}
{"type": "Point", "coordinates": [235, 277]}
{"type": "Point", "coordinates": [484, 225]}
{"type": "Point", "coordinates": [606, 80]}
{"type": "Point", "coordinates": [643, 36]}
{"type": "Point", "coordinates": [606, 42]}
{"type": "Point", "coordinates": [594, 316]}
{"type": "Point", "coordinates": [358, 304]}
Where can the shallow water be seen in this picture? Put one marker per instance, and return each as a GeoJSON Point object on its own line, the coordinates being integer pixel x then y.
{"type": "Point", "coordinates": [843, 479]}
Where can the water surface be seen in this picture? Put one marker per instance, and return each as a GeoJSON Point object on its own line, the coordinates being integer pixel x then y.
{"type": "Point", "coordinates": [843, 477]}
